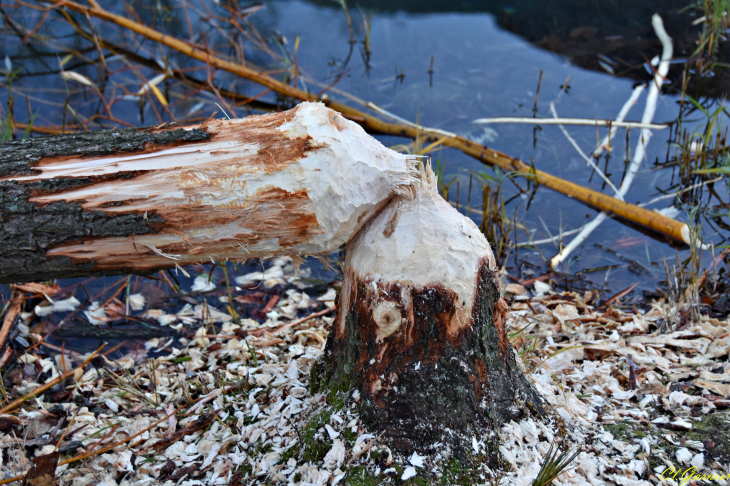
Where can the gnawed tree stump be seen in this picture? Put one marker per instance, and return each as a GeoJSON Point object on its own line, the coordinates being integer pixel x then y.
{"type": "Point", "coordinates": [419, 334]}
{"type": "Point", "coordinates": [138, 200]}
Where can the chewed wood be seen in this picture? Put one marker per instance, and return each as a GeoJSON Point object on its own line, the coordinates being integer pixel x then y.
{"type": "Point", "coordinates": [420, 330]}
{"type": "Point", "coordinates": [296, 182]}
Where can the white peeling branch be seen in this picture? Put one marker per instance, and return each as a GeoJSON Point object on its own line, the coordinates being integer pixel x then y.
{"type": "Point", "coordinates": [606, 142]}
{"type": "Point", "coordinates": [651, 101]}
{"type": "Point", "coordinates": [586, 122]}
{"type": "Point", "coordinates": [640, 151]}
{"type": "Point", "coordinates": [552, 239]}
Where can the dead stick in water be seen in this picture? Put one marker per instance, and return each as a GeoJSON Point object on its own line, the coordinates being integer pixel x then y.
{"type": "Point", "coordinates": [655, 221]}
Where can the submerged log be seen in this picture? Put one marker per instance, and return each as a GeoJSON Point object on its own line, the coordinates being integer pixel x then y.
{"type": "Point", "coordinates": [137, 200]}
{"type": "Point", "coordinates": [419, 335]}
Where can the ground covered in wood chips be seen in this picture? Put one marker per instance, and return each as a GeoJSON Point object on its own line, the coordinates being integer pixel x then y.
{"type": "Point", "coordinates": [635, 392]}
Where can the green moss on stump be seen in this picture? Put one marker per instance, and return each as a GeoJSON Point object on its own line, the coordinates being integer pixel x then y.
{"type": "Point", "coordinates": [314, 449]}
{"type": "Point", "coordinates": [453, 473]}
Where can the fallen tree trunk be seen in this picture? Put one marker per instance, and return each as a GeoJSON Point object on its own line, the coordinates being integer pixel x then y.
{"type": "Point", "coordinates": [420, 331]}
{"type": "Point", "coordinates": [138, 200]}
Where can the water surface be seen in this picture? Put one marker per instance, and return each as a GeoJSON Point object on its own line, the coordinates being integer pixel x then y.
{"type": "Point", "coordinates": [479, 69]}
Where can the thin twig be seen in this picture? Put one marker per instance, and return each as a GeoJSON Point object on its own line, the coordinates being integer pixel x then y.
{"type": "Point", "coordinates": [68, 427]}
{"type": "Point", "coordinates": [582, 154]}
{"type": "Point", "coordinates": [365, 449]}
{"type": "Point", "coordinates": [675, 194]}
{"type": "Point", "coordinates": [385, 112]}
{"type": "Point", "coordinates": [94, 446]}
{"type": "Point", "coordinates": [296, 322]}
{"type": "Point", "coordinates": [586, 122]}
{"type": "Point", "coordinates": [5, 359]}
{"type": "Point", "coordinates": [606, 142]}
{"type": "Point", "coordinates": [552, 239]}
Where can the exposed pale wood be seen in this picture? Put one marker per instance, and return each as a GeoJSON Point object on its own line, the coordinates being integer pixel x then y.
{"type": "Point", "coordinates": [420, 330]}
{"type": "Point", "coordinates": [297, 182]}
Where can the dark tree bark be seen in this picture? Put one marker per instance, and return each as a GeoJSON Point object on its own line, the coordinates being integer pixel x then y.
{"type": "Point", "coordinates": [420, 332]}
{"type": "Point", "coordinates": [139, 200]}
{"type": "Point", "coordinates": [28, 229]}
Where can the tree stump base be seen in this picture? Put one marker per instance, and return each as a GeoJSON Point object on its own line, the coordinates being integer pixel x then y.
{"type": "Point", "coordinates": [419, 339]}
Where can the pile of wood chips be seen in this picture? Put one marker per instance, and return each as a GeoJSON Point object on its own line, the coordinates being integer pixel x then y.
{"type": "Point", "coordinates": [231, 403]}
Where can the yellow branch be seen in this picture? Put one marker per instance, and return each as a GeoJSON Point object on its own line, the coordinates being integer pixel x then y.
{"type": "Point", "coordinates": [644, 217]}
